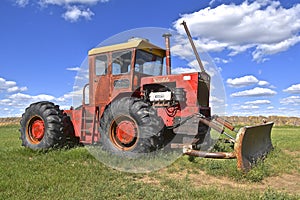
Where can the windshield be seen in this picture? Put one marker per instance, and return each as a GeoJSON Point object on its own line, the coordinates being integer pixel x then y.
{"type": "Point", "coordinates": [148, 63]}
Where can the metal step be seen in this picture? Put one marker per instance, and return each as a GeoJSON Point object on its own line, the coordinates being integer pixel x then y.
{"type": "Point", "coordinates": [88, 119]}
{"type": "Point", "coordinates": [86, 131]}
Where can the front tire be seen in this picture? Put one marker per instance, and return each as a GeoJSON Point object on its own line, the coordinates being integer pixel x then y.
{"type": "Point", "coordinates": [42, 126]}
{"type": "Point", "coordinates": [130, 127]}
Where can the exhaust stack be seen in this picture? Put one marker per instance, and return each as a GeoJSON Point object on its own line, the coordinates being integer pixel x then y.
{"type": "Point", "coordinates": [168, 52]}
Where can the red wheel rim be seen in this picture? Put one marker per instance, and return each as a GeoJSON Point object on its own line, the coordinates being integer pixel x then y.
{"type": "Point", "coordinates": [36, 130]}
{"type": "Point", "coordinates": [124, 133]}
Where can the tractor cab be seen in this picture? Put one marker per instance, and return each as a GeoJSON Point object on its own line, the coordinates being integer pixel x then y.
{"type": "Point", "coordinates": [119, 68]}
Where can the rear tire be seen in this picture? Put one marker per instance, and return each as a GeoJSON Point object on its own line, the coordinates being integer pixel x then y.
{"type": "Point", "coordinates": [42, 126]}
{"type": "Point", "coordinates": [130, 127]}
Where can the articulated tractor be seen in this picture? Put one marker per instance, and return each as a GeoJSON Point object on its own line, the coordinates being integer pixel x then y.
{"type": "Point", "coordinates": [133, 104]}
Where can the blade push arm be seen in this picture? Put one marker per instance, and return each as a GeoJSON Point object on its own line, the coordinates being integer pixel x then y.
{"type": "Point", "coordinates": [193, 46]}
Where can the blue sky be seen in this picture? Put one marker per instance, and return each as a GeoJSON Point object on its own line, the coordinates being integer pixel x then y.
{"type": "Point", "coordinates": [255, 46]}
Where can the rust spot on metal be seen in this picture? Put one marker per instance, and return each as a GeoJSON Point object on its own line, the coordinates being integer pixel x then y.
{"type": "Point", "coordinates": [204, 154]}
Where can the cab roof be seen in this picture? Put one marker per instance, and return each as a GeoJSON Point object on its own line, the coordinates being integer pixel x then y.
{"type": "Point", "coordinates": [132, 43]}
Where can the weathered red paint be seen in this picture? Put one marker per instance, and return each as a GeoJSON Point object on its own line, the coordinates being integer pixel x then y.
{"type": "Point", "coordinates": [102, 92]}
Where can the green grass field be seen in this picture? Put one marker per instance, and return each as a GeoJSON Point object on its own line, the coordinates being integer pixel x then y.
{"type": "Point", "coordinates": [75, 174]}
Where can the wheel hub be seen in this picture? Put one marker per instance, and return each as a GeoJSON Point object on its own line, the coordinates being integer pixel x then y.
{"type": "Point", "coordinates": [37, 130]}
{"type": "Point", "coordinates": [126, 132]}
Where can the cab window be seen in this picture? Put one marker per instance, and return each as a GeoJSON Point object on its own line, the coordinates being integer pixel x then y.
{"type": "Point", "coordinates": [101, 65]}
{"type": "Point", "coordinates": [148, 63]}
{"type": "Point", "coordinates": [121, 62]}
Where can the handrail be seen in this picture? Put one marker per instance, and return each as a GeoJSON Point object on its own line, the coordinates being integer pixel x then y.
{"type": "Point", "coordinates": [83, 95]}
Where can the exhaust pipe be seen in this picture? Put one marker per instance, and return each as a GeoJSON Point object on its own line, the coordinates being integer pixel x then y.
{"type": "Point", "coordinates": [168, 52]}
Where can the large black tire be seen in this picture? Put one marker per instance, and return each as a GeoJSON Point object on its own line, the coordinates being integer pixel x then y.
{"type": "Point", "coordinates": [42, 126]}
{"type": "Point", "coordinates": [130, 127]}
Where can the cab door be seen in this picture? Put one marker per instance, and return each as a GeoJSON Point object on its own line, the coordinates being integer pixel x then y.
{"type": "Point", "coordinates": [100, 92]}
{"type": "Point", "coordinates": [121, 72]}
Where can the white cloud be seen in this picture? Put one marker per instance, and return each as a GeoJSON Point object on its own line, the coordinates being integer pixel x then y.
{"type": "Point", "coordinates": [5, 101]}
{"type": "Point", "coordinates": [15, 104]}
{"type": "Point", "coordinates": [256, 92]}
{"type": "Point", "coordinates": [263, 27]}
{"type": "Point", "coordinates": [208, 66]}
{"type": "Point", "coordinates": [258, 102]}
{"type": "Point", "coordinates": [270, 49]}
{"type": "Point", "coordinates": [74, 13]}
{"type": "Point", "coordinates": [68, 2]}
{"type": "Point", "coordinates": [242, 81]}
{"type": "Point", "coordinates": [10, 86]}
{"type": "Point", "coordinates": [183, 70]}
{"type": "Point", "coordinates": [20, 97]}
{"type": "Point", "coordinates": [247, 110]}
{"type": "Point", "coordinates": [73, 69]}
{"type": "Point", "coordinates": [22, 3]}
{"type": "Point", "coordinates": [70, 95]}
{"type": "Point", "coordinates": [249, 107]}
{"type": "Point", "coordinates": [16, 89]}
{"type": "Point", "coordinates": [216, 100]}
{"type": "Point", "coordinates": [4, 84]}
{"type": "Point", "coordinates": [84, 77]}
{"type": "Point", "coordinates": [247, 81]}
{"type": "Point", "coordinates": [195, 66]}
{"type": "Point", "coordinates": [292, 100]}
{"type": "Point", "coordinates": [75, 9]}
{"type": "Point", "coordinates": [294, 89]}
{"type": "Point", "coordinates": [221, 60]}
{"type": "Point", "coordinates": [181, 46]}
{"type": "Point", "coordinates": [263, 83]}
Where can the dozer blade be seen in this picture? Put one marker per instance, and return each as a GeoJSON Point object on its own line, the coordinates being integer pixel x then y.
{"type": "Point", "coordinates": [253, 143]}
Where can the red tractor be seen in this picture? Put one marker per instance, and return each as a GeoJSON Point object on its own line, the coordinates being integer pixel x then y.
{"type": "Point", "coordinates": [135, 105]}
